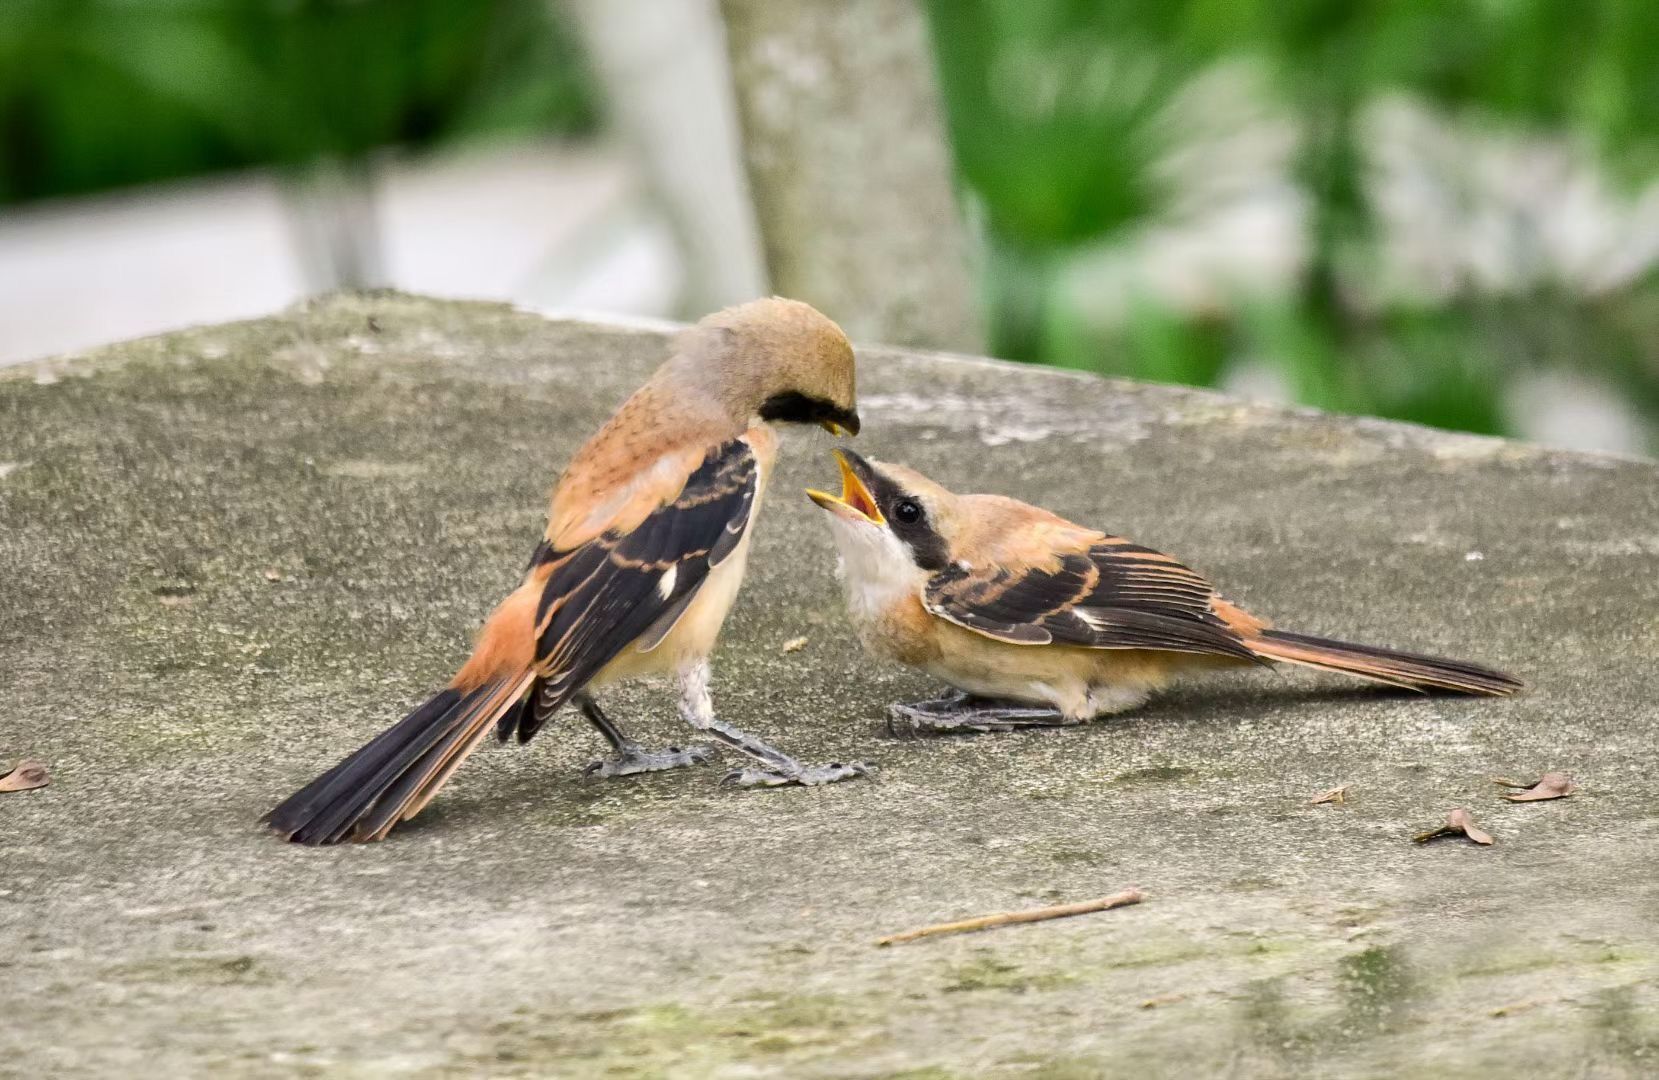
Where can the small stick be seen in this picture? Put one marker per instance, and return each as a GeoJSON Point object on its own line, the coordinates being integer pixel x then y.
{"type": "Point", "coordinates": [1128, 896]}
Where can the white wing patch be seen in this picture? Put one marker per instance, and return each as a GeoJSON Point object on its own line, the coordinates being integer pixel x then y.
{"type": "Point", "coordinates": [1088, 618]}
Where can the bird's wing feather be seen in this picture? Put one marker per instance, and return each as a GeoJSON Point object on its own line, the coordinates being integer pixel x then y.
{"type": "Point", "coordinates": [1111, 595]}
{"type": "Point", "coordinates": [606, 594]}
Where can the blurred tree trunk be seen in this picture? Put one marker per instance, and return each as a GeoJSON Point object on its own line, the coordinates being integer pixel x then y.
{"type": "Point", "coordinates": [335, 224]}
{"type": "Point", "coordinates": [845, 148]}
{"type": "Point", "coordinates": [663, 66]}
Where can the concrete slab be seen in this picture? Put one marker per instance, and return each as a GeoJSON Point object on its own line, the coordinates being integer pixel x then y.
{"type": "Point", "coordinates": [234, 553]}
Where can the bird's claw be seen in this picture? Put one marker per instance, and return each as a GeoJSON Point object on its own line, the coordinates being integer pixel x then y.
{"type": "Point", "coordinates": [965, 716]}
{"type": "Point", "coordinates": [636, 760]}
{"type": "Point", "coordinates": [908, 720]}
{"type": "Point", "coordinates": [807, 776]}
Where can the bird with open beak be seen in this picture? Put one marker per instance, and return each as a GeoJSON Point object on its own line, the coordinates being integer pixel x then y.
{"type": "Point", "coordinates": [1036, 621]}
{"type": "Point", "coordinates": [644, 551]}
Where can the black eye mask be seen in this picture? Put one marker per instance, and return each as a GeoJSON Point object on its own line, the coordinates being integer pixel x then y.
{"type": "Point", "coordinates": [926, 545]}
{"type": "Point", "coordinates": [798, 408]}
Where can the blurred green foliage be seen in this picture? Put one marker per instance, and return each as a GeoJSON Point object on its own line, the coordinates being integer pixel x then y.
{"type": "Point", "coordinates": [1060, 115]}
{"type": "Point", "coordinates": [1064, 116]}
{"type": "Point", "coordinates": [99, 93]}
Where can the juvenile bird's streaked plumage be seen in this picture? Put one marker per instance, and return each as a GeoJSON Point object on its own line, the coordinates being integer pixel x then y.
{"type": "Point", "coordinates": [1035, 619]}
{"type": "Point", "coordinates": [646, 544]}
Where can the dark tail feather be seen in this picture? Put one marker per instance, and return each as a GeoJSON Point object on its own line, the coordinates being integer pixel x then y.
{"type": "Point", "coordinates": [392, 777]}
{"type": "Point", "coordinates": [1413, 671]}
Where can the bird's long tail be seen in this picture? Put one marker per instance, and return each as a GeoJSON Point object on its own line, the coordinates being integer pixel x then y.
{"type": "Point", "coordinates": [395, 775]}
{"type": "Point", "coordinates": [1413, 671]}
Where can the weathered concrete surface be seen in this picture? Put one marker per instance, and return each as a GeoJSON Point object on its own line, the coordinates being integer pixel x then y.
{"type": "Point", "coordinates": [386, 458]}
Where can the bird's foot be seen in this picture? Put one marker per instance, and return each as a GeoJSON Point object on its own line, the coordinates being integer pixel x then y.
{"type": "Point", "coordinates": [949, 702]}
{"type": "Point", "coordinates": [804, 775]}
{"type": "Point", "coordinates": [957, 714]}
{"type": "Point", "coordinates": [634, 758]}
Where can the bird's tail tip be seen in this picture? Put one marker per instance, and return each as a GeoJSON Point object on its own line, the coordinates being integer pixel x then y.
{"type": "Point", "coordinates": [393, 776]}
{"type": "Point", "coordinates": [1413, 671]}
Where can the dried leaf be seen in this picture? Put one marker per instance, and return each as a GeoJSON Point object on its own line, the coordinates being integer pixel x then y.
{"type": "Point", "coordinates": [1336, 796]}
{"type": "Point", "coordinates": [1462, 819]}
{"type": "Point", "coordinates": [794, 644]}
{"type": "Point", "coordinates": [26, 776]}
{"type": "Point", "coordinates": [1552, 785]}
{"type": "Point", "coordinates": [1458, 823]}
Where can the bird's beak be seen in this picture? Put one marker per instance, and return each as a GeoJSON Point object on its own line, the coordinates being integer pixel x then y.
{"type": "Point", "coordinates": [842, 426]}
{"type": "Point", "coordinates": [855, 502]}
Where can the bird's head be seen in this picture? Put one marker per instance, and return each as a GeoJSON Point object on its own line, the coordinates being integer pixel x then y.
{"type": "Point", "coordinates": [780, 360]}
{"type": "Point", "coordinates": [892, 525]}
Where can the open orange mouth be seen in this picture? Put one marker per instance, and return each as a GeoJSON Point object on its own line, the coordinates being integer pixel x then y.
{"type": "Point", "coordinates": [855, 498]}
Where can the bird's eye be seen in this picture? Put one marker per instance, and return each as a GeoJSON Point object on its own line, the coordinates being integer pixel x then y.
{"type": "Point", "coordinates": [907, 512]}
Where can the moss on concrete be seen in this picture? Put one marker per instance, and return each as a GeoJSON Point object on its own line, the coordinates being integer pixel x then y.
{"type": "Point", "coordinates": [234, 553]}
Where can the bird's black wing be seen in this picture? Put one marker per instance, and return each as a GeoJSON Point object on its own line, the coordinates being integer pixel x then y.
{"type": "Point", "coordinates": [1115, 595]}
{"type": "Point", "coordinates": [627, 589]}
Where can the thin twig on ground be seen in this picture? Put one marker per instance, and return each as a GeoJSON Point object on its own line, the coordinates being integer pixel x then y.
{"type": "Point", "coordinates": [1128, 896]}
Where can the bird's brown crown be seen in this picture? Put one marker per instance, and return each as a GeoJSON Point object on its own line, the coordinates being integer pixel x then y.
{"type": "Point", "coordinates": [780, 360]}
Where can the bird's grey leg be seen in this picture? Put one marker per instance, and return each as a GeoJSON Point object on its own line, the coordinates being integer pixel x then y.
{"type": "Point", "coordinates": [957, 713]}
{"type": "Point", "coordinates": [776, 767]}
{"type": "Point", "coordinates": [631, 757]}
